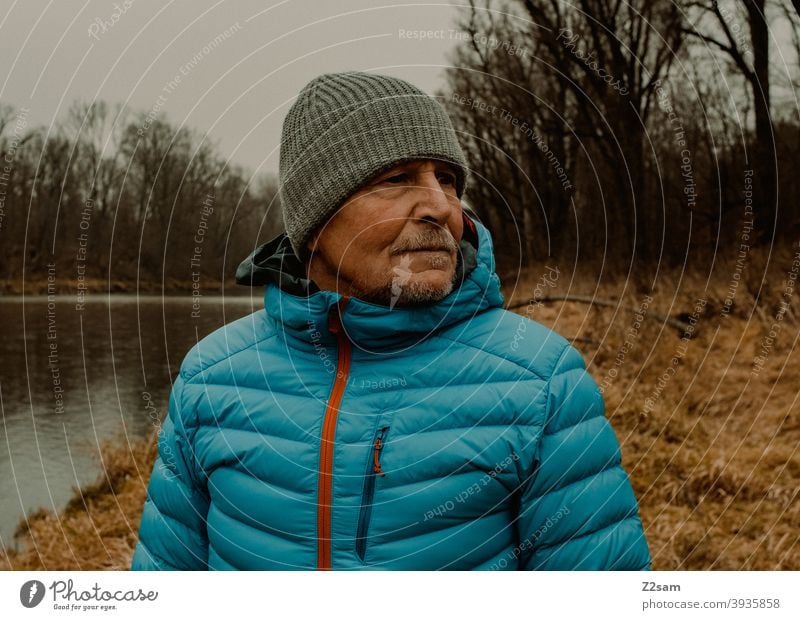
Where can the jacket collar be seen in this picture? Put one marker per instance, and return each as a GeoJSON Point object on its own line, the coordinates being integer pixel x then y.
{"type": "Point", "coordinates": [303, 311]}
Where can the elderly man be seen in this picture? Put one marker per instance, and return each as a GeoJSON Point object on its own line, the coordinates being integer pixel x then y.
{"type": "Point", "coordinates": [375, 414]}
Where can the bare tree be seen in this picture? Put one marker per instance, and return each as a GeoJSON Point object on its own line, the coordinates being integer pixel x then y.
{"type": "Point", "coordinates": [717, 26]}
{"type": "Point", "coordinates": [586, 85]}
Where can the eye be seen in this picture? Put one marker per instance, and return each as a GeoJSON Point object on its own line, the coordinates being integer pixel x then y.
{"type": "Point", "coordinates": [448, 177]}
{"type": "Point", "coordinates": [397, 178]}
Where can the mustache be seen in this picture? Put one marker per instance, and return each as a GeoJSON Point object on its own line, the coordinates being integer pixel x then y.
{"type": "Point", "coordinates": [430, 240]}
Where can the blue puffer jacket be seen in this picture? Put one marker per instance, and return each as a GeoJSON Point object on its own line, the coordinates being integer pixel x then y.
{"type": "Point", "coordinates": [325, 432]}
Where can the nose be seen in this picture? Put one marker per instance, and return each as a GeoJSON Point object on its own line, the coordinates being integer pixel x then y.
{"type": "Point", "coordinates": [434, 204]}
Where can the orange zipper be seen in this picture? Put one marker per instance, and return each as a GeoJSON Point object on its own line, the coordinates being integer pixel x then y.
{"type": "Point", "coordinates": [328, 433]}
{"type": "Point", "coordinates": [377, 468]}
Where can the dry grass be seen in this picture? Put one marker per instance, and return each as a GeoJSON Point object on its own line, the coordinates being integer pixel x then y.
{"type": "Point", "coordinates": [98, 528]}
{"type": "Point", "coordinates": [714, 462]}
{"type": "Point", "coordinates": [66, 286]}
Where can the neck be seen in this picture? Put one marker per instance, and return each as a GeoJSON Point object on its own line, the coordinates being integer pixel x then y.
{"type": "Point", "coordinates": [318, 269]}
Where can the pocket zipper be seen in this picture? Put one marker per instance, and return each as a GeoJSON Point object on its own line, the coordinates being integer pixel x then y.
{"type": "Point", "coordinates": [373, 470]}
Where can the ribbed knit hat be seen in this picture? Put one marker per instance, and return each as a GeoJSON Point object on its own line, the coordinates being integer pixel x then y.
{"type": "Point", "coordinates": [344, 129]}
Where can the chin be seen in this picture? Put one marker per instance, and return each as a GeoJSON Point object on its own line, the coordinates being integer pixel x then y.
{"type": "Point", "coordinates": [429, 278]}
{"type": "Point", "coordinates": [435, 276]}
{"type": "Point", "coordinates": [410, 288]}
{"type": "Point", "coordinates": [425, 287]}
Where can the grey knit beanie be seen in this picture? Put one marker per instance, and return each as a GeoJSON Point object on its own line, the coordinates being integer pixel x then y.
{"type": "Point", "coordinates": [345, 128]}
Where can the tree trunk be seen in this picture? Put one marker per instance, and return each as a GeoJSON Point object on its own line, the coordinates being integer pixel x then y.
{"type": "Point", "coordinates": [764, 151]}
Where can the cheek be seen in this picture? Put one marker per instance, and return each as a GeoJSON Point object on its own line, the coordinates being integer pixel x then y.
{"type": "Point", "coordinates": [375, 238]}
{"type": "Point", "coordinates": [456, 224]}
{"type": "Point", "coordinates": [368, 225]}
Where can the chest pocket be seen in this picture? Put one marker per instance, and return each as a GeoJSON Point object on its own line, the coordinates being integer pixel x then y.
{"type": "Point", "coordinates": [428, 481]}
{"type": "Point", "coordinates": [372, 473]}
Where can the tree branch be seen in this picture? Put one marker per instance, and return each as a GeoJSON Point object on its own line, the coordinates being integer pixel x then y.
{"type": "Point", "coordinates": [679, 325]}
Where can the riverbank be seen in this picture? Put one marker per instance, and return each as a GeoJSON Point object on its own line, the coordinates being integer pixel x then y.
{"type": "Point", "coordinates": [99, 285]}
{"type": "Point", "coordinates": [708, 419]}
{"type": "Point", "coordinates": [97, 530]}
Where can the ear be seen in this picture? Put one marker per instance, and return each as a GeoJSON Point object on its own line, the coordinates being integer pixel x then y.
{"type": "Point", "coordinates": [312, 242]}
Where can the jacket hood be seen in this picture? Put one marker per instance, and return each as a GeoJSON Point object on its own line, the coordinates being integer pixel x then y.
{"type": "Point", "coordinates": [302, 310]}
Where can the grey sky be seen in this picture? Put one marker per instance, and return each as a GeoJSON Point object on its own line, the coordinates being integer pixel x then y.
{"type": "Point", "coordinates": [239, 87]}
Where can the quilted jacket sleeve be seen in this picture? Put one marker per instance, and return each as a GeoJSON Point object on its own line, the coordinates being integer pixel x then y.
{"type": "Point", "coordinates": [172, 532]}
{"type": "Point", "coordinates": [577, 507]}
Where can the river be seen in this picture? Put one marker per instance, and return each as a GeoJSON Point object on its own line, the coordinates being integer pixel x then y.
{"type": "Point", "coordinates": [74, 375]}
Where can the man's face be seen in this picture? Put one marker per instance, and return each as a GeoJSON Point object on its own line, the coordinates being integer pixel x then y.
{"type": "Point", "coordinates": [395, 240]}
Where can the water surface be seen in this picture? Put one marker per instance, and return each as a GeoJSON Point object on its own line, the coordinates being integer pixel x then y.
{"type": "Point", "coordinates": [72, 377]}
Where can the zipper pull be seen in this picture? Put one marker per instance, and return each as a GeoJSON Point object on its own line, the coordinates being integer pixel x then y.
{"type": "Point", "coordinates": [378, 446]}
{"type": "Point", "coordinates": [335, 316]}
{"type": "Point", "coordinates": [334, 321]}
